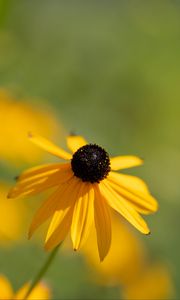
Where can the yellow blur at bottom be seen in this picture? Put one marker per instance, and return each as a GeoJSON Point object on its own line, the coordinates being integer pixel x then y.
{"type": "Point", "coordinates": [41, 291]}
{"type": "Point", "coordinates": [154, 283]}
{"type": "Point", "coordinates": [128, 266]}
{"type": "Point", "coordinates": [125, 259]}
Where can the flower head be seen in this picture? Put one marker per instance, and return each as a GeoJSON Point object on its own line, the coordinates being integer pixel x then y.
{"type": "Point", "coordinates": [86, 188]}
{"type": "Point", "coordinates": [41, 291]}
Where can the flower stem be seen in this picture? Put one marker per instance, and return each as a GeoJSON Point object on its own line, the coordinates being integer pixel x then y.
{"type": "Point", "coordinates": [42, 271]}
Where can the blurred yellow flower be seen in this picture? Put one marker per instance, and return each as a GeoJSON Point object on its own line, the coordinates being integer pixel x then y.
{"type": "Point", "coordinates": [17, 118]}
{"type": "Point", "coordinates": [12, 217]}
{"type": "Point", "coordinates": [40, 292]}
{"type": "Point", "coordinates": [86, 189]}
{"type": "Point", "coordinates": [154, 283]}
{"type": "Point", "coordinates": [127, 265]}
{"type": "Point", "coordinates": [126, 257]}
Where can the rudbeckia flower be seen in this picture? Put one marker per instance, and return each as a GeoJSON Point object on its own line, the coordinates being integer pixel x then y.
{"type": "Point", "coordinates": [87, 186]}
{"type": "Point", "coordinates": [41, 291]}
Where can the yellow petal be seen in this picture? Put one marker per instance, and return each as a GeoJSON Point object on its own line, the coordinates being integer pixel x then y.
{"type": "Point", "coordinates": [6, 292]}
{"type": "Point", "coordinates": [123, 207]}
{"type": "Point", "coordinates": [58, 172]}
{"type": "Point", "coordinates": [134, 190]}
{"type": "Point", "coordinates": [139, 205]}
{"type": "Point", "coordinates": [102, 223]}
{"type": "Point", "coordinates": [61, 221]}
{"type": "Point", "coordinates": [83, 216]}
{"type": "Point", "coordinates": [39, 170]}
{"type": "Point", "coordinates": [46, 210]}
{"type": "Point", "coordinates": [38, 183]}
{"type": "Point", "coordinates": [20, 190]}
{"type": "Point", "coordinates": [49, 146]}
{"type": "Point", "coordinates": [31, 179]}
{"type": "Point", "coordinates": [133, 182]}
{"type": "Point", "coordinates": [124, 162]}
{"type": "Point", "coordinates": [74, 142]}
{"type": "Point", "coordinates": [58, 200]}
{"type": "Point", "coordinates": [61, 224]}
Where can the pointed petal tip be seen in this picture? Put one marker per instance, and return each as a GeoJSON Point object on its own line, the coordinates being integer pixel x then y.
{"type": "Point", "coordinates": [10, 195]}
{"type": "Point", "coordinates": [140, 161]}
{"type": "Point", "coordinates": [146, 230]}
{"type": "Point", "coordinates": [102, 257]}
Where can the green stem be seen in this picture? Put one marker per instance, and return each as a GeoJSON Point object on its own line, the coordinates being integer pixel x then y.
{"type": "Point", "coordinates": [42, 271]}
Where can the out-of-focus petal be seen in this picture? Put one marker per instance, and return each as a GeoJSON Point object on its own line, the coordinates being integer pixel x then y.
{"type": "Point", "coordinates": [13, 216]}
{"type": "Point", "coordinates": [154, 283]}
{"type": "Point", "coordinates": [40, 292]}
{"type": "Point", "coordinates": [18, 116]}
{"type": "Point", "coordinates": [6, 292]}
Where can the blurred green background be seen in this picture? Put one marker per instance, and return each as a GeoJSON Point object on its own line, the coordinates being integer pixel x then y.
{"type": "Point", "coordinates": [111, 71]}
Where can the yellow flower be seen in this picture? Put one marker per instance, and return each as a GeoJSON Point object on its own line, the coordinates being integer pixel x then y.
{"type": "Point", "coordinates": [17, 118]}
{"type": "Point", "coordinates": [155, 283]}
{"type": "Point", "coordinates": [125, 260]}
{"type": "Point", "coordinates": [127, 265]}
{"type": "Point", "coordinates": [12, 217]}
{"type": "Point", "coordinates": [41, 291]}
{"type": "Point", "coordinates": [87, 187]}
